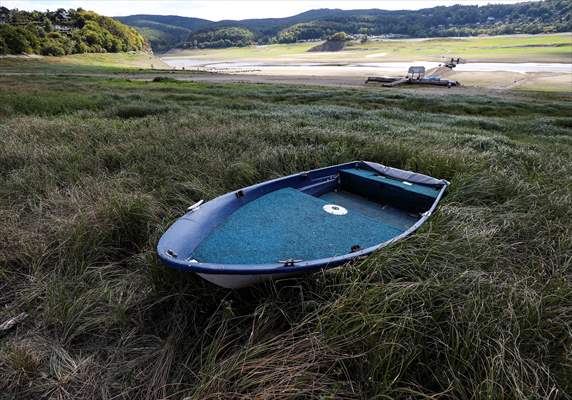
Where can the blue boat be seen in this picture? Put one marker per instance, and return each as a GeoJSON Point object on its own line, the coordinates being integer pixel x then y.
{"type": "Point", "coordinates": [300, 223]}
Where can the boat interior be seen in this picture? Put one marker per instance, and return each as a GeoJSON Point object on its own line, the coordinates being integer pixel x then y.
{"type": "Point", "coordinates": [323, 217]}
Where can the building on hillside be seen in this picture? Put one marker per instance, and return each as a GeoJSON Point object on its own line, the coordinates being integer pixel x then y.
{"type": "Point", "coordinates": [63, 15]}
{"type": "Point", "coordinates": [62, 28]}
{"type": "Point", "coordinates": [4, 15]}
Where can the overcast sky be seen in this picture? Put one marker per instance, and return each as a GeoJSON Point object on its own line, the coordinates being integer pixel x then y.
{"type": "Point", "coordinates": [229, 9]}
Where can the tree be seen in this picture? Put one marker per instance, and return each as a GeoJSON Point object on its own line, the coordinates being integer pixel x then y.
{"type": "Point", "coordinates": [47, 25]}
{"type": "Point", "coordinates": [338, 37]}
{"type": "Point", "coordinates": [15, 39]}
{"type": "Point", "coordinates": [52, 48]}
{"type": "Point", "coordinates": [88, 31]}
{"type": "Point", "coordinates": [3, 46]}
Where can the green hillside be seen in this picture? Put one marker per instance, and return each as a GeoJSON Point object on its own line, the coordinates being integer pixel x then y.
{"type": "Point", "coordinates": [221, 38]}
{"type": "Point", "coordinates": [458, 20]}
{"type": "Point", "coordinates": [164, 32]}
{"type": "Point", "coordinates": [62, 32]}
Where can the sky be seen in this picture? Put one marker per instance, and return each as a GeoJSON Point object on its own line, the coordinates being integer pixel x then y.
{"type": "Point", "coordinates": [216, 10]}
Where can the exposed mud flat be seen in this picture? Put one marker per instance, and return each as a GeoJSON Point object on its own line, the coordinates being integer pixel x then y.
{"type": "Point", "coordinates": [541, 76]}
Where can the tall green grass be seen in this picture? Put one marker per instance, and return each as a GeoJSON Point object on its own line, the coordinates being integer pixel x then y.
{"type": "Point", "coordinates": [476, 305]}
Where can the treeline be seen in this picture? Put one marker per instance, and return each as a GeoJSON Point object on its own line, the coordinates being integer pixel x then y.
{"type": "Point", "coordinates": [220, 38]}
{"type": "Point", "coordinates": [531, 17]}
{"type": "Point", "coordinates": [308, 31]}
{"type": "Point", "coordinates": [62, 32]}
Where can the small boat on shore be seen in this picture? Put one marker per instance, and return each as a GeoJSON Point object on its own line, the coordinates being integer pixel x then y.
{"type": "Point", "coordinates": [300, 223]}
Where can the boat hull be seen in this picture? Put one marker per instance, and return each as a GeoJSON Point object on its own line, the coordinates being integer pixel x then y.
{"type": "Point", "coordinates": [242, 281]}
{"type": "Point", "coordinates": [306, 222]}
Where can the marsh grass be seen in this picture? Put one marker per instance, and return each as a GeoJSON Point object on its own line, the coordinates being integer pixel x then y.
{"type": "Point", "coordinates": [476, 305]}
{"type": "Point", "coordinates": [140, 110]}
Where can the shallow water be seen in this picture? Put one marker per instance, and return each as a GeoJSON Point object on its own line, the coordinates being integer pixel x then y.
{"type": "Point", "coordinates": [516, 67]}
{"type": "Point", "coordinates": [400, 67]}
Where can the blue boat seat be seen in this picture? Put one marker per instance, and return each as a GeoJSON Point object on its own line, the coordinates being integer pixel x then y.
{"type": "Point", "coordinates": [288, 224]}
{"type": "Point", "coordinates": [409, 196]}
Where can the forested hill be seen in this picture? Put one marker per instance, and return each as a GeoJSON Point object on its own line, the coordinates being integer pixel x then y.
{"type": "Point", "coordinates": [64, 32]}
{"type": "Point", "coordinates": [164, 32]}
{"type": "Point", "coordinates": [530, 17]}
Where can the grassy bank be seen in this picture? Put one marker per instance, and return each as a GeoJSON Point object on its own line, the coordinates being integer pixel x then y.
{"type": "Point", "coordinates": [520, 48]}
{"type": "Point", "coordinates": [476, 305]}
{"type": "Point", "coordinates": [82, 63]}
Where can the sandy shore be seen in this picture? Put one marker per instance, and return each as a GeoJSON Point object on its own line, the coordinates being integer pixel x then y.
{"type": "Point", "coordinates": [531, 76]}
{"type": "Point", "coordinates": [333, 76]}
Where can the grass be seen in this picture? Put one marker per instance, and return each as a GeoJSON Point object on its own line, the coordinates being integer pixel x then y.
{"type": "Point", "coordinates": [523, 48]}
{"type": "Point", "coordinates": [476, 305]}
{"type": "Point", "coordinates": [83, 63]}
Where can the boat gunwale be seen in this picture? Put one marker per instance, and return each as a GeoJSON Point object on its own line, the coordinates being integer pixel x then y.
{"type": "Point", "coordinates": [302, 266]}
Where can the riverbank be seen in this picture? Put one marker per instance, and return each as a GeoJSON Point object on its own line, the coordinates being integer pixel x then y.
{"type": "Point", "coordinates": [290, 64]}
{"type": "Point", "coordinates": [520, 62]}
{"type": "Point", "coordinates": [501, 76]}
{"type": "Point", "coordinates": [82, 63]}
